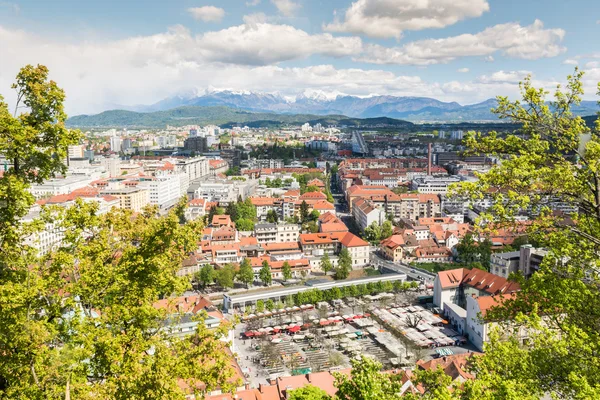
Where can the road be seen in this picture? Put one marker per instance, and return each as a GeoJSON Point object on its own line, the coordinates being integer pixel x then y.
{"type": "Point", "coordinates": [378, 261]}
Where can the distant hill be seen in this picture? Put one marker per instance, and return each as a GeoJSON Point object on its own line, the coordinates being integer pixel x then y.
{"type": "Point", "coordinates": [220, 115]}
{"type": "Point", "coordinates": [415, 109]}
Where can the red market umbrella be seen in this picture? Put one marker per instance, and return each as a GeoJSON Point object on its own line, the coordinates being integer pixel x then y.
{"type": "Point", "coordinates": [294, 329]}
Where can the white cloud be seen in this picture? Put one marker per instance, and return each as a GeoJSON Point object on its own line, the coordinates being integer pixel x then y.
{"type": "Point", "coordinates": [570, 61]}
{"type": "Point", "coordinates": [252, 3]}
{"type": "Point", "coordinates": [592, 64]}
{"type": "Point", "coordinates": [389, 18]}
{"type": "Point", "coordinates": [207, 13]}
{"type": "Point", "coordinates": [504, 77]}
{"type": "Point", "coordinates": [463, 70]}
{"type": "Point", "coordinates": [513, 40]}
{"type": "Point", "coordinates": [489, 59]}
{"type": "Point", "coordinates": [153, 67]}
{"type": "Point", "coordinates": [260, 43]}
{"type": "Point", "coordinates": [286, 7]}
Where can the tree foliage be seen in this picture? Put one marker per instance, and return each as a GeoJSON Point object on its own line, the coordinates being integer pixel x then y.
{"type": "Point", "coordinates": [206, 276]}
{"type": "Point", "coordinates": [272, 216]}
{"type": "Point", "coordinates": [246, 274]}
{"type": "Point", "coordinates": [225, 276]}
{"type": "Point", "coordinates": [286, 270]}
{"type": "Point", "coordinates": [265, 273]}
{"type": "Point", "coordinates": [344, 265]}
{"type": "Point", "coordinates": [554, 157]}
{"type": "Point", "coordinates": [308, 392]}
{"type": "Point", "coordinates": [326, 264]}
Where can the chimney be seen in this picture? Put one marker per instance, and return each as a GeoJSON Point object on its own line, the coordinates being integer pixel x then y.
{"type": "Point", "coordinates": [429, 159]}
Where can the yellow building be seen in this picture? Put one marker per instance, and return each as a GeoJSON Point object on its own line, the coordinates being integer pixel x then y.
{"type": "Point", "coordinates": [131, 198]}
{"type": "Point", "coordinates": [392, 248]}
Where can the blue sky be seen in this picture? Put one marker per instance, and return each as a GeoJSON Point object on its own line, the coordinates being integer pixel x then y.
{"type": "Point", "coordinates": [108, 53]}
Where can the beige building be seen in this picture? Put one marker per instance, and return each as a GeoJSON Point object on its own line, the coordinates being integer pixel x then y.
{"type": "Point", "coordinates": [131, 198]}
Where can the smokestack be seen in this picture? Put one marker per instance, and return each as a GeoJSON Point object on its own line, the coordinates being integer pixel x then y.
{"type": "Point", "coordinates": [429, 159]}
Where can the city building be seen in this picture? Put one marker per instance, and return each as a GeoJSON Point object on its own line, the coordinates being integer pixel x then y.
{"type": "Point", "coordinates": [164, 190]}
{"type": "Point", "coordinates": [56, 186]}
{"type": "Point", "coordinates": [434, 184]}
{"type": "Point", "coordinates": [503, 264]}
{"type": "Point", "coordinates": [456, 285]}
{"type": "Point", "coordinates": [130, 198]}
{"type": "Point", "coordinates": [197, 144]}
{"type": "Point", "coordinates": [366, 213]}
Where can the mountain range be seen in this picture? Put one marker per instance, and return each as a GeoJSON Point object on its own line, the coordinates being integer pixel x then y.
{"type": "Point", "coordinates": [223, 116]}
{"type": "Point", "coordinates": [223, 107]}
{"type": "Point", "coordinates": [415, 109]}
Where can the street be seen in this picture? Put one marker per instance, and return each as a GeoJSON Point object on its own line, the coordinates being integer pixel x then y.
{"type": "Point", "coordinates": [378, 261]}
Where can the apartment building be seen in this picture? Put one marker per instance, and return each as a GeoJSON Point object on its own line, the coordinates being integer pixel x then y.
{"type": "Point", "coordinates": [434, 184]}
{"type": "Point", "coordinates": [56, 186]}
{"type": "Point", "coordinates": [130, 198]}
{"type": "Point", "coordinates": [366, 213]}
{"type": "Point", "coordinates": [503, 264]}
{"type": "Point", "coordinates": [319, 244]}
{"type": "Point", "coordinates": [164, 190]}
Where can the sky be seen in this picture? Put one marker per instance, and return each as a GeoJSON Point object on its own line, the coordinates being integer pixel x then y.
{"type": "Point", "coordinates": [111, 53]}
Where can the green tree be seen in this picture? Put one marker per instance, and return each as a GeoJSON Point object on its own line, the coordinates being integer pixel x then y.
{"type": "Point", "coordinates": [312, 188]}
{"type": "Point", "coordinates": [270, 305]}
{"type": "Point", "coordinates": [308, 392]}
{"type": "Point", "coordinates": [206, 276]}
{"type": "Point", "coordinates": [367, 382]}
{"type": "Point", "coordinates": [554, 155]}
{"type": "Point", "coordinates": [344, 265]}
{"type": "Point", "coordinates": [260, 306]}
{"type": "Point", "coordinates": [76, 322]}
{"type": "Point", "coordinates": [312, 227]}
{"type": "Point", "coordinates": [246, 274]}
{"type": "Point", "coordinates": [387, 230]}
{"type": "Point", "coordinates": [286, 270]}
{"type": "Point", "coordinates": [272, 216]}
{"type": "Point", "coordinates": [232, 211]}
{"type": "Point", "coordinates": [473, 253]}
{"type": "Point", "coordinates": [244, 224]}
{"type": "Point", "coordinates": [326, 264]}
{"type": "Point", "coordinates": [314, 215]}
{"type": "Point", "coordinates": [372, 233]}
{"type": "Point", "coordinates": [265, 273]}
{"type": "Point", "coordinates": [225, 276]}
{"type": "Point", "coordinates": [303, 211]}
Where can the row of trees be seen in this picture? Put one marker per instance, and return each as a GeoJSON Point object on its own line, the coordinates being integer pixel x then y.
{"type": "Point", "coordinates": [227, 275]}
{"type": "Point", "coordinates": [314, 296]}
{"type": "Point", "coordinates": [278, 182]}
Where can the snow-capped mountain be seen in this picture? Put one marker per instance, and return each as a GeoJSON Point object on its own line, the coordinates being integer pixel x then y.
{"type": "Point", "coordinates": [319, 102]}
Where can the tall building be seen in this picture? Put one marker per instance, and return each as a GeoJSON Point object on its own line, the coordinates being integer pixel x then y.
{"type": "Point", "coordinates": [75, 151]}
{"type": "Point", "coordinates": [115, 144]}
{"type": "Point", "coordinates": [196, 143]}
{"type": "Point", "coordinates": [112, 165]}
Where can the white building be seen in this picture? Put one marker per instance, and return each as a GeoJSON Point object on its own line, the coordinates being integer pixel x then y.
{"type": "Point", "coordinates": [112, 165]}
{"type": "Point", "coordinates": [115, 144]}
{"type": "Point", "coordinates": [164, 190]}
{"type": "Point", "coordinates": [365, 213]}
{"type": "Point", "coordinates": [56, 186]}
{"type": "Point", "coordinates": [433, 184]}
{"type": "Point", "coordinates": [307, 128]}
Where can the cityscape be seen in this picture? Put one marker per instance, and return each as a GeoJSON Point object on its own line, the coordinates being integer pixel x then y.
{"type": "Point", "coordinates": [285, 236]}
